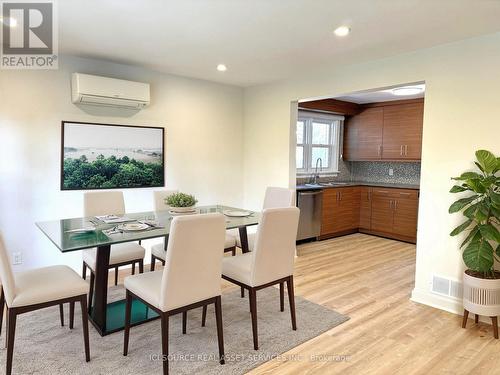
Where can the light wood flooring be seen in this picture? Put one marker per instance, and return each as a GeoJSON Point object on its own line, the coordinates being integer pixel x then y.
{"type": "Point", "coordinates": [370, 279]}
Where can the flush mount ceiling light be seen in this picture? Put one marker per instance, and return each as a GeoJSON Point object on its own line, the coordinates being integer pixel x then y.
{"type": "Point", "coordinates": [11, 22]}
{"type": "Point", "coordinates": [221, 68]}
{"type": "Point", "coordinates": [408, 90]}
{"type": "Point", "coordinates": [342, 31]}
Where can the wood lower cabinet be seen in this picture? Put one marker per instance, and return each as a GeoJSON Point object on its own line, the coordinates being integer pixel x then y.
{"type": "Point", "coordinates": [387, 212]}
{"type": "Point", "coordinates": [340, 212]}
{"type": "Point", "coordinates": [365, 208]}
{"type": "Point", "coordinates": [394, 213]}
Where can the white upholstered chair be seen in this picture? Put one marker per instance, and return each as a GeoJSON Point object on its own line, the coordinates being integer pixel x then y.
{"type": "Point", "coordinates": [158, 250]}
{"type": "Point", "coordinates": [270, 263]}
{"type": "Point", "coordinates": [36, 289]}
{"type": "Point", "coordinates": [275, 197]}
{"type": "Point", "coordinates": [109, 203]}
{"type": "Point", "coordinates": [190, 279]}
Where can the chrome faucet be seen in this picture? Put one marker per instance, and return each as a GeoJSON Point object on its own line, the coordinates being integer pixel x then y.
{"type": "Point", "coordinates": [315, 176]}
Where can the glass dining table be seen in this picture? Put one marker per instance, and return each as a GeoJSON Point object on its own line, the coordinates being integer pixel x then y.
{"type": "Point", "coordinates": [88, 232]}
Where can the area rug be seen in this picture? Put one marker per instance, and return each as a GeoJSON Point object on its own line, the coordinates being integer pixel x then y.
{"type": "Point", "coordinates": [42, 346]}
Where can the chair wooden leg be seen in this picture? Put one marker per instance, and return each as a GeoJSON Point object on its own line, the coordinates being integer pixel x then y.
{"type": "Point", "coordinates": [128, 310]}
{"type": "Point", "coordinates": [133, 268]}
{"type": "Point", "coordinates": [233, 252]}
{"type": "Point", "coordinates": [220, 334]}
{"type": "Point", "coordinates": [141, 266]}
{"type": "Point", "coordinates": [153, 261]}
{"type": "Point", "coordinates": [476, 318]}
{"type": "Point", "coordinates": [253, 311]}
{"type": "Point", "coordinates": [61, 314]}
{"type": "Point", "coordinates": [12, 317]}
{"type": "Point", "coordinates": [116, 275]}
{"type": "Point", "coordinates": [91, 290]}
{"type": "Point", "coordinates": [282, 297]}
{"type": "Point", "coordinates": [464, 320]}
{"type": "Point", "coordinates": [84, 271]}
{"type": "Point", "coordinates": [291, 300]}
{"type": "Point", "coordinates": [242, 292]}
{"type": "Point", "coordinates": [85, 326]}
{"type": "Point", "coordinates": [162, 262]}
{"type": "Point", "coordinates": [184, 322]}
{"type": "Point", "coordinates": [204, 316]}
{"type": "Point", "coordinates": [164, 341]}
{"type": "Point", "coordinates": [494, 322]}
{"type": "Point", "coordinates": [2, 308]}
{"type": "Point", "coordinates": [71, 314]}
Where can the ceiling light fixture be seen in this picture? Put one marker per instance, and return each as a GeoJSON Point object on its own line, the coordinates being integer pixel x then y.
{"type": "Point", "coordinates": [408, 90]}
{"type": "Point", "coordinates": [342, 31]}
{"type": "Point", "coordinates": [11, 22]}
{"type": "Point", "coordinates": [221, 68]}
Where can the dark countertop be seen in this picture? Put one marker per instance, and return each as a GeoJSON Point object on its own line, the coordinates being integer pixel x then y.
{"type": "Point", "coordinates": [360, 183]}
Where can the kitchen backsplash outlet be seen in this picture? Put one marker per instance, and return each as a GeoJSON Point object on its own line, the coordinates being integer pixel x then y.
{"type": "Point", "coordinates": [403, 173]}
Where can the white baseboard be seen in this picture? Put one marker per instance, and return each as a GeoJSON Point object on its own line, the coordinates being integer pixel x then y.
{"type": "Point", "coordinates": [450, 304]}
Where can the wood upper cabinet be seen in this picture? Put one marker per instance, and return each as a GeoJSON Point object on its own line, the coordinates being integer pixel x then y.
{"type": "Point", "coordinates": [402, 137]}
{"type": "Point", "coordinates": [363, 135]}
{"type": "Point", "coordinates": [365, 209]}
{"type": "Point", "coordinates": [385, 131]}
{"type": "Point", "coordinates": [340, 210]}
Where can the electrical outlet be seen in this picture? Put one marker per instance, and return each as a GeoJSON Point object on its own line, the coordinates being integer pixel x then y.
{"type": "Point", "coordinates": [17, 258]}
{"type": "Point", "coordinates": [391, 172]}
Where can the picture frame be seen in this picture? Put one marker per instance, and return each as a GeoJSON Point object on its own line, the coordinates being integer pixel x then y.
{"type": "Point", "coordinates": [111, 156]}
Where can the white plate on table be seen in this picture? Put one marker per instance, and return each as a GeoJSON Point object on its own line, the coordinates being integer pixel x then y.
{"type": "Point", "coordinates": [237, 213]}
{"type": "Point", "coordinates": [134, 227]}
{"type": "Point", "coordinates": [81, 230]}
{"type": "Point", "coordinates": [175, 213]}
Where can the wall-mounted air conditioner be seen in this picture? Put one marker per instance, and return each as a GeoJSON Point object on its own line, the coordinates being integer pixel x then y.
{"type": "Point", "coordinates": [109, 92]}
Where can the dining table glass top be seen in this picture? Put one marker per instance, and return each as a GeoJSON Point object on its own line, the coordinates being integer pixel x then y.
{"type": "Point", "coordinates": [87, 232]}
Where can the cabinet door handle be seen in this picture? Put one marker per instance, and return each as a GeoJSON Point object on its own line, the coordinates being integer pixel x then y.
{"type": "Point", "coordinates": [340, 195]}
{"type": "Point", "coordinates": [406, 150]}
{"type": "Point", "coordinates": [401, 151]}
{"type": "Point", "coordinates": [390, 204]}
{"type": "Point", "coordinates": [380, 150]}
{"type": "Point", "coordinates": [395, 205]}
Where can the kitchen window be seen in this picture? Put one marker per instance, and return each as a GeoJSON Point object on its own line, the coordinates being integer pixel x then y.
{"type": "Point", "coordinates": [318, 142]}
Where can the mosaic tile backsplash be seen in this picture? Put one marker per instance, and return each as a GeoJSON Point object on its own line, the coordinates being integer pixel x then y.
{"type": "Point", "coordinates": [374, 171]}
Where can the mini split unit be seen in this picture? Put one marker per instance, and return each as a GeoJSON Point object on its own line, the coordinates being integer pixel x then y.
{"type": "Point", "coordinates": [108, 92]}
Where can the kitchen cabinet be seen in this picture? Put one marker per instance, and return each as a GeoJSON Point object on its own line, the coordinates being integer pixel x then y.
{"type": "Point", "coordinates": [385, 131]}
{"type": "Point", "coordinates": [364, 135]}
{"type": "Point", "coordinates": [394, 213]}
{"type": "Point", "coordinates": [403, 131]}
{"type": "Point", "coordinates": [365, 209]}
{"type": "Point", "coordinates": [340, 211]}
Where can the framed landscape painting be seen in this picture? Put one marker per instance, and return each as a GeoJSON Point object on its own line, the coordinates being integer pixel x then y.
{"type": "Point", "coordinates": [105, 156]}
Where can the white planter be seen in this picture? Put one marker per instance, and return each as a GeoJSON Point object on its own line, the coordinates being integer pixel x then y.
{"type": "Point", "coordinates": [181, 210]}
{"type": "Point", "coordinates": [481, 296]}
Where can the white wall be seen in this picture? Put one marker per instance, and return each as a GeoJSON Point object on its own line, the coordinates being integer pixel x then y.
{"type": "Point", "coordinates": [462, 112]}
{"type": "Point", "coordinates": [204, 139]}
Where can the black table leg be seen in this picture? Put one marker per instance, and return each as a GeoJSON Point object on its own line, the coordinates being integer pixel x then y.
{"type": "Point", "coordinates": [98, 316]}
{"type": "Point", "coordinates": [244, 239]}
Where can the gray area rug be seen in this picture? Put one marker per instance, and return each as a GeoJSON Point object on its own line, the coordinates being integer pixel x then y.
{"type": "Point", "coordinates": [44, 347]}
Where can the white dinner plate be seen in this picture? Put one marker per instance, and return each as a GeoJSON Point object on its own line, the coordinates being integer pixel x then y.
{"type": "Point", "coordinates": [237, 213]}
{"type": "Point", "coordinates": [174, 213]}
{"type": "Point", "coordinates": [132, 227]}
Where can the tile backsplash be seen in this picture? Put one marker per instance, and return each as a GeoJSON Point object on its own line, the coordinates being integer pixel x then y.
{"type": "Point", "coordinates": [374, 171]}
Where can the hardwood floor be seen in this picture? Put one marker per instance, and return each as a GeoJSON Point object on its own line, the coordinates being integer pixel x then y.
{"type": "Point", "coordinates": [370, 279]}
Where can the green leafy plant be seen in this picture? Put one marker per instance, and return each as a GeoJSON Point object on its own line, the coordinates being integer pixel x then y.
{"type": "Point", "coordinates": [180, 200]}
{"type": "Point", "coordinates": [481, 210]}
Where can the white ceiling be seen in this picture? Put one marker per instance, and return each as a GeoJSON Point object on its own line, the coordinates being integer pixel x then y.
{"type": "Point", "coordinates": [381, 95]}
{"type": "Point", "coordinates": [262, 40]}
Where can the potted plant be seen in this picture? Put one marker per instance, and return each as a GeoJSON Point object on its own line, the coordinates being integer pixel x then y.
{"type": "Point", "coordinates": [481, 249]}
{"type": "Point", "coordinates": [181, 202]}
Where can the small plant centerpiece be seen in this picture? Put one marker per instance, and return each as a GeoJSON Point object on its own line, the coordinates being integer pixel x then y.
{"type": "Point", "coordinates": [481, 250]}
{"type": "Point", "coordinates": [181, 202]}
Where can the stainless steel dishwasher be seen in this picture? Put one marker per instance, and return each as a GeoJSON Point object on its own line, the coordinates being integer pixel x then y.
{"type": "Point", "coordinates": [310, 203]}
